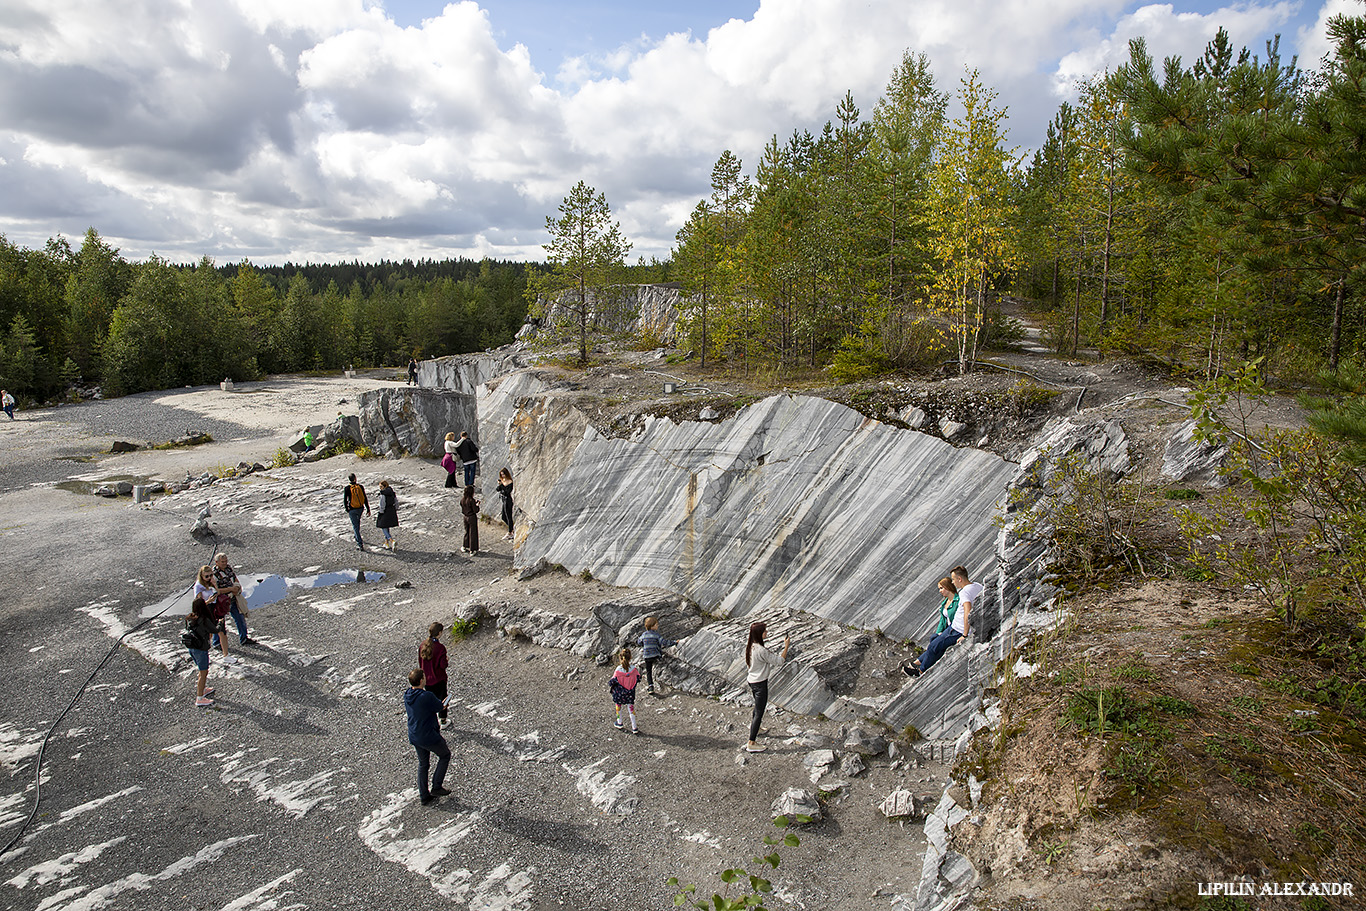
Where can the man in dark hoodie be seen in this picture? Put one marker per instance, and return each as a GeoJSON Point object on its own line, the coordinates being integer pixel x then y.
{"type": "Point", "coordinates": [424, 733]}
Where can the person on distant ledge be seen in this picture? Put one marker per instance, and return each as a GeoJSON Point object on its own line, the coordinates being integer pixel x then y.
{"type": "Point", "coordinates": [968, 592]}
{"type": "Point", "coordinates": [412, 371]}
{"type": "Point", "coordinates": [8, 402]}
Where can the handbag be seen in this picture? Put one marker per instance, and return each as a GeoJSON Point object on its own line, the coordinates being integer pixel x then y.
{"type": "Point", "coordinates": [448, 463]}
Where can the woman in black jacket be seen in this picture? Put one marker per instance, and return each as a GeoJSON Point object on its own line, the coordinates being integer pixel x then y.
{"type": "Point", "coordinates": [469, 508]}
{"type": "Point", "coordinates": [388, 513]}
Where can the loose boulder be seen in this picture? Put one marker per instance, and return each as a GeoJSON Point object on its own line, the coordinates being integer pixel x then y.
{"type": "Point", "coordinates": [795, 802]}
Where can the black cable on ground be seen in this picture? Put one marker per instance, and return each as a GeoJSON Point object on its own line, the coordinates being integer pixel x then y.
{"type": "Point", "coordinates": [42, 748]}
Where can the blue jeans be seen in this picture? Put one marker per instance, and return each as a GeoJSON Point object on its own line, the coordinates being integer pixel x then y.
{"type": "Point", "coordinates": [469, 472]}
{"type": "Point", "coordinates": [424, 758]}
{"type": "Point", "coordinates": [938, 645]}
{"type": "Point", "coordinates": [200, 658]}
{"type": "Point", "coordinates": [238, 619]}
{"type": "Point", "coordinates": [355, 512]}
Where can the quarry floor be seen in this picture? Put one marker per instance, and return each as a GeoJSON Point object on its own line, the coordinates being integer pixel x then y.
{"type": "Point", "coordinates": [296, 789]}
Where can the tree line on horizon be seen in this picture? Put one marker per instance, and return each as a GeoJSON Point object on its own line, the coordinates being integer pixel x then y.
{"type": "Point", "coordinates": [88, 316]}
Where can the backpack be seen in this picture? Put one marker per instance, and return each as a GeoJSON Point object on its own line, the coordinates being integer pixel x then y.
{"type": "Point", "coordinates": [356, 495]}
{"type": "Point", "coordinates": [192, 636]}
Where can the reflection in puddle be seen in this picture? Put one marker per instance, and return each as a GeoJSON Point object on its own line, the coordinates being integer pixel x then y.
{"type": "Point", "coordinates": [89, 487]}
{"type": "Point", "coordinates": [261, 589]}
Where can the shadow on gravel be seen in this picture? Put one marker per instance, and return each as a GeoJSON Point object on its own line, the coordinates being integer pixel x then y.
{"type": "Point", "coordinates": [692, 741]}
{"type": "Point", "coordinates": [460, 735]}
{"type": "Point", "coordinates": [280, 724]}
{"type": "Point", "coordinates": [546, 833]}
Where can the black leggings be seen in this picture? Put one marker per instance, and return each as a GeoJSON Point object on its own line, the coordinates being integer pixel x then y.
{"type": "Point", "coordinates": [650, 671]}
{"type": "Point", "coordinates": [760, 691]}
{"type": "Point", "coordinates": [439, 691]}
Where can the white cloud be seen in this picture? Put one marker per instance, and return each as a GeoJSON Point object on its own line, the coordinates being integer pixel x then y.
{"type": "Point", "coordinates": [279, 129]}
{"type": "Point", "coordinates": [1312, 40]}
{"type": "Point", "coordinates": [1169, 33]}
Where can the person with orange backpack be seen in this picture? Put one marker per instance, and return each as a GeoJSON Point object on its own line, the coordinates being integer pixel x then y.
{"type": "Point", "coordinates": [355, 503]}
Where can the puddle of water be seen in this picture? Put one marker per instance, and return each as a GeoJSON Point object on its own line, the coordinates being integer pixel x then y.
{"type": "Point", "coordinates": [262, 589]}
{"type": "Point", "coordinates": [87, 488]}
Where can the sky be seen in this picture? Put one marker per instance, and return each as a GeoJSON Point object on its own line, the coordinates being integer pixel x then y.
{"type": "Point", "coordinates": [337, 130]}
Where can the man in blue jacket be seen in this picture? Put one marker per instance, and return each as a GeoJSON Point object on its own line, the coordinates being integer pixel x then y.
{"type": "Point", "coordinates": [424, 733]}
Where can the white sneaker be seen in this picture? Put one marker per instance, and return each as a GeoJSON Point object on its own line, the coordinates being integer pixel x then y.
{"type": "Point", "coordinates": [231, 659]}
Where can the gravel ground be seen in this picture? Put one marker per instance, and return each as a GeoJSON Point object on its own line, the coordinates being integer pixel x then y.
{"type": "Point", "coordinates": [296, 789]}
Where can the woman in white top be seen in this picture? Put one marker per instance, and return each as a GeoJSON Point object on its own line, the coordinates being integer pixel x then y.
{"type": "Point", "coordinates": [761, 663]}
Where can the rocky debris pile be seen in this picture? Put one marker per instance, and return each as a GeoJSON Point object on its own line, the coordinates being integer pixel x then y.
{"type": "Point", "coordinates": [186, 439]}
{"type": "Point", "coordinates": [342, 434]}
{"type": "Point", "coordinates": [210, 478]}
{"type": "Point", "coordinates": [610, 625]}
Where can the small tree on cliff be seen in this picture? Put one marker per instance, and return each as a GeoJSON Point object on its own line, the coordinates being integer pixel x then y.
{"type": "Point", "coordinates": [587, 255]}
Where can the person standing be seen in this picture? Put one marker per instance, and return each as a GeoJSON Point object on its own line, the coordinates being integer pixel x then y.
{"type": "Point", "coordinates": [412, 371]}
{"type": "Point", "coordinates": [355, 502]}
{"type": "Point", "coordinates": [424, 734]}
{"type": "Point", "coordinates": [8, 402]}
{"type": "Point", "coordinates": [652, 646]}
{"type": "Point", "coordinates": [206, 587]}
{"type": "Point", "coordinates": [504, 490]}
{"type": "Point", "coordinates": [388, 513]}
{"type": "Point", "coordinates": [199, 626]}
{"type": "Point", "coordinates": [762, 663]}
{"type": "Point", "coordinates": [431, 657]}
{"type": "Point", "coordinates": [623, 689]}
{"type": "Point", "coordinates": [448, 461]}
{"type": "Point", "coordinates": [226, 580]}
{"type": "Point", "coordinates": [468, 454]}
{"type": "Point", "coordinates": [469, 508]}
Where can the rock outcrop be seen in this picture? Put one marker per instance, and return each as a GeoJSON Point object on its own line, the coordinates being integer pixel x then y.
{"type": "Point", "coordinates": [467, 372]}
{"type": "Point", "coordinates": [409, 419]}
{"type": "Point", "coordinates": [1188, 460]}
{"type": "Point", "coordinates": [527, 426]}
{"type": "Point", "coordinates": [644, 310]}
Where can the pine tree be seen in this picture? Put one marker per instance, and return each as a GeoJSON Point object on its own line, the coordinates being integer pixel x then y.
{"type": "Point", "coordinates": [587, 255]}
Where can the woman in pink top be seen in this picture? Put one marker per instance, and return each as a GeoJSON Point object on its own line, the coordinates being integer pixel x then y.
{"type": "Point", "coordinates": [623, 688]}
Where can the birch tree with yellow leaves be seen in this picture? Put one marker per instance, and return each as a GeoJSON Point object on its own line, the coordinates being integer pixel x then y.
{"type": "Point", "coordinates": [971, 214]}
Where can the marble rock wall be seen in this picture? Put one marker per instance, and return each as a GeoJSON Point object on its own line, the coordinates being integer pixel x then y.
{"type": "Point", "coordinates": [466, 372]}
{"type": "Point", "coordinates": [409, 419]}
{"type": "Point", "coordinates": [526, 426]}
{"type": "Point", "coordinates": [795, 502]}
{"type": "Point", "coordinates": [630, 309]}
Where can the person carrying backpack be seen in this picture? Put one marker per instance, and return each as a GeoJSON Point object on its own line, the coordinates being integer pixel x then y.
{"type": "Point", "coordinates": [354, 502]}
